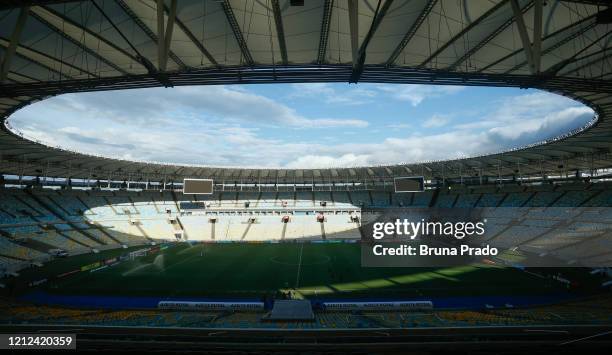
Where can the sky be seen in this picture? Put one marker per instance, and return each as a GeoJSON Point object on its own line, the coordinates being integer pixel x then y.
{"type": "Point", "coordinates": [299, 125]}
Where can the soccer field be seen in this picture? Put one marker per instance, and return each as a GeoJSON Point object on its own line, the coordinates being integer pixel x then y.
{"type": "Point", "coordinates": [327, 270]}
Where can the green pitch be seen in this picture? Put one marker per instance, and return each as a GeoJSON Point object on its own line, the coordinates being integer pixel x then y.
{"type": "Point", "coordinates": [253, 270]}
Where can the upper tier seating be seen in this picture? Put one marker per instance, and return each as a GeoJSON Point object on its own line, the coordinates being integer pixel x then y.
{"type": "Point", "coordinates": [446, 200]}
{"type": "Point", "coordinates": [342, 199]}
{"type": "Point", "coordinates": [516, 199]}
{"type": "Point", "coordinates": [380, 199]}
{"type": "Point", "coordinates": [361, 198]}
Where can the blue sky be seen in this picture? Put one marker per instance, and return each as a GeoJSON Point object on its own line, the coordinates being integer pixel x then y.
{"type": "Point", "coordinates": [299, 125]}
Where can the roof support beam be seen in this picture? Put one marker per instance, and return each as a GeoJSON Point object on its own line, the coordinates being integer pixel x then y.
{"type": "Point", "coordinates": [537, 34]}
{"type": "Point", "coordinates": [532, 52]}
{"type": "Point", "coordinates": [280, 31]}
{"type": "Point", "coordinates": [139, 57]}
{"type": "Point", "coordinates": [91, 33]}
{"type": "Point", "coordinates": [32, 53]}
{"type": "Point", "coordinates": [361, 53]}
{"type": "Point", "coordinates": [148, 31]}
{"type": "Point", "coordinates": [231, 19]}
{"type": "Point", "coordinates": [169, 28]}
{"type": "Point", "coordinates": [551, 35]}
{"type": "Point", "coordinates": [324, 36]}
{"type": "Point", "coordinates": [558, 44]}
{"type": "Point", "coordinates": [353, 13]}
{"type": "Point", "coordinates": [21, 75]}
{"type": "Point", "coordinates": [193, 38]}
{"type": "Point", "coordinates": [77, 43]}
{"type": "Point", "coordinates": [46, 67]}
{"type": "Point", "coordinates": [486, 40]}
{"type": "Point", "coordinates": [164, 36]}
{"type": "Point", "coordinates": [590, 63]}
{"type": "Point", "coordinates": [12, 48]}
{"type": "Point", "coordinates": [11, 4]}
{"type": "Point", "coordinates": [522, 29]}
{"type": "Point", "coordinates": [162, 54]}
{"type": "Point", "coordinates": [559, 66]}
{"type": "Point", "coordinates": [462, 33]}
{"type": "Point", "coordinates": [411, 31]}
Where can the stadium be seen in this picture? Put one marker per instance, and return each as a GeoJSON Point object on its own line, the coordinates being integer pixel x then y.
{"type": "Point", "coordinates": [137, 255]}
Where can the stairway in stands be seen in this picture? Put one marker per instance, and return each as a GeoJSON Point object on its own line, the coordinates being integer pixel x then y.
{"type": "Point", "coordinates": [61, 217]}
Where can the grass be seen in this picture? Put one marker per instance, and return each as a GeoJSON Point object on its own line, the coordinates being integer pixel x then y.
{"type": "Point", "coordinates": [253, 270]}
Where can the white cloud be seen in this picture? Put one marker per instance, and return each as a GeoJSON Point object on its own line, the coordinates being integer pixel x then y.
{"type": "Point", "coordinates": [323, 92]}
{"type": "Point", "coordinates": [415, 94]}
{"type": "Point", "coordinates": [527, 130]}
{"type": "Point", "coordinates": [326, 161]}
{"type": "Point", "coordinates": [243, 105]}
{"type": "Point", "coordinates": [161, 107]}
{"type": "Point", "coordinates": [234, 129]}
{"type": "Point", "coordinates": [400, 126]}
{"type": "Point", "coordinates": [435, 121]}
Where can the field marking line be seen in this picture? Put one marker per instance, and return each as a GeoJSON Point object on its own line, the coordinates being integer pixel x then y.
{"type": "Point", "coordinates": [556, 315]}
{"type": "Point", "coordinates": [297, 278]}
{"type": "Point", "coordinates": [187, 249]}
{"type": "Point", "coordinates": [136, 269]}
{"type": "Point", "coordinates": [181, 262]}
{"type": "Point", "coordinates": [586, 338]}
{"type": "Point", "coordinates": [165, 268]}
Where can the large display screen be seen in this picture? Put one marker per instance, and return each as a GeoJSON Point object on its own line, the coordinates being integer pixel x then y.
{"type": "Point", "coordinates": [198, 186]}
{"type": "Point", "coordinates": [409, 184]}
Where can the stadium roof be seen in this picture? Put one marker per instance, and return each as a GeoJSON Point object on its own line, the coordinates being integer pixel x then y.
{"type": "Point", "coordinates": [54, 47]}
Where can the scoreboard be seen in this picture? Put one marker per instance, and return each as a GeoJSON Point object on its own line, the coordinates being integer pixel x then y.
{"type": "Point", "coordinates": [198, 186]}
{"type": "Point", "coordinates": [409, 184]}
